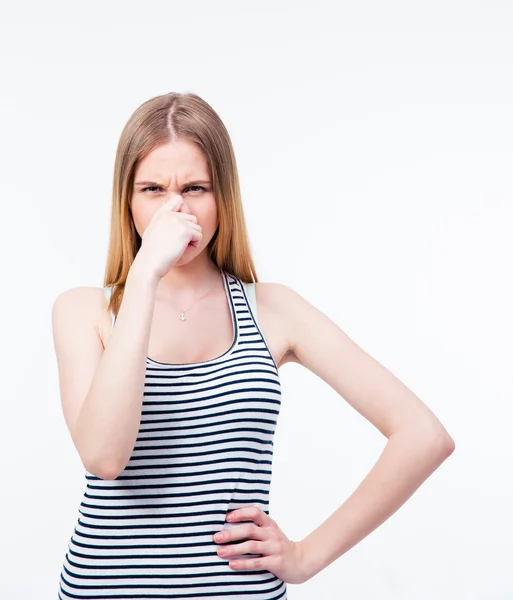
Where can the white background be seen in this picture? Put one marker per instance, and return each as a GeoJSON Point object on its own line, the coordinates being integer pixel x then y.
{"type": "Point", "coordinates": [374, 144]}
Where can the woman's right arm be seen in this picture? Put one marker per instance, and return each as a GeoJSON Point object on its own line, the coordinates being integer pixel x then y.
{"type": "Point", "coordinates": [102, 389]}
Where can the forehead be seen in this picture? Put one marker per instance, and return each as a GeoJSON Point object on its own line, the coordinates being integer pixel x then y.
{"type": "Point", "coordinates": [174, 160]}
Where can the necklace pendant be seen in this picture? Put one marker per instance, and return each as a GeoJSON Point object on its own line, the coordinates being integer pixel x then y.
{"type": "Point", "coordinates": [182, 316]}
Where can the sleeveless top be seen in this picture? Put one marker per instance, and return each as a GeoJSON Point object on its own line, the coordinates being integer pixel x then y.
{"type": "Point", "coordinates": [204, 448]}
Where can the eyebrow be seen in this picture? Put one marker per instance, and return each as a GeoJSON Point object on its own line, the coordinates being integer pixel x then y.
{"type": "Point", "coordinates": [156, 183]}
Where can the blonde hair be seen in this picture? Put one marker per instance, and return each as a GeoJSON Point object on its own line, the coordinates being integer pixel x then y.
{"type": "Point", "coordinates": [158, 121]}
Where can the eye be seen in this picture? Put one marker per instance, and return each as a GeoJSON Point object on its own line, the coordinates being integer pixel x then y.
{"type": "Point", "coordinates": [156, 187]}
{"type": "Point", "coordinates": [198, 187]}
{"type": "Point", "coordinates": [151, 187]}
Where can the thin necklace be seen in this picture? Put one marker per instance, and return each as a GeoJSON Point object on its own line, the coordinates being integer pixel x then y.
{"type": "Point", "coordinates": [181, 314]}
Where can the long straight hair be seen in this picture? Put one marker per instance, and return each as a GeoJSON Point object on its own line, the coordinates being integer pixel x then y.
{"type": "Point", "coordinates": [158, 121]}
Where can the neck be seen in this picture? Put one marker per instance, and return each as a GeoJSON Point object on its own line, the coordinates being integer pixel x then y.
{"type": "Point", "coordinates": [186, 282]}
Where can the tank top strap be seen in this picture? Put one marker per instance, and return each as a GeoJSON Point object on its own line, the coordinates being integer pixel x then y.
{"type": "Point", "coordinates": [251, 296]}
{"type": "Point", "coordinates": [244, 298]}
{"type": "Point", "coordinates": [108, 291]}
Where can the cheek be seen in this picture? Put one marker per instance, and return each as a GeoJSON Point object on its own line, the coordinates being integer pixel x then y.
{"type": "Point", "coordinates": [207, 215]}
{"type": "Point", "coordinates": [142, 215]}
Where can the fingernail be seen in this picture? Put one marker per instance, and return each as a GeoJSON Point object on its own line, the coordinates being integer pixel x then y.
{"type": "Point", "coordinates": [218, 537]}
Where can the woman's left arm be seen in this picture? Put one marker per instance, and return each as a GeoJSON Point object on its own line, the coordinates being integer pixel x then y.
{"type": "Point", "coordinates": [417, 444]}
{"type": "Point", "coordinates": [417, 441]}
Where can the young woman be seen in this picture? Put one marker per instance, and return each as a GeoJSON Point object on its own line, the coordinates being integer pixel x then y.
{"type": "Point", "coordinates": [170, 387]}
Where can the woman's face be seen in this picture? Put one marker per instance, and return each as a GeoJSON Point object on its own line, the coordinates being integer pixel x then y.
{"type": "Point", "coordinates": [177, 167]}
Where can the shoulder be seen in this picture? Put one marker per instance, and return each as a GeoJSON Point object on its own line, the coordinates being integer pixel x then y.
{"type": "Point", "coordinates": [284, 309]}
{"type": "Point", "coordinates": [304, 326]}
{"type": "Point", "coordinates": [282, 299]}
{"type": "Point", "coordinates": [276, 296]}
{"type": "Point", "coordinates": [84, 303]}
{"type": "Point", "coordinates": [82, 298]}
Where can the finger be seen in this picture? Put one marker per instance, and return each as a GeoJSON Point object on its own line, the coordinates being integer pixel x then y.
{"type": "Point", "coordinates": [170, 205]}
{"type": "Point", "coordinates": [252, 513]}
{"type": "Point", "coordinates": [249, 547]}
{"type": "Point", "coordinates": [251, 564]}
{"type": "Point", "coordinates": [174, 203]}
{"type": "Point", "coordinates": [247, 531]}
{"type": "Point", "coordinates": [193, 227]}
{"type": "Point", "coordinates": [188, 217]}
{"type": "Point", "coordinates": [196, 238]}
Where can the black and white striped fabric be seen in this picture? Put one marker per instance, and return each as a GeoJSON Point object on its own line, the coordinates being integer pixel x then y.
{"type": "Point", "coordinates": [204, 448]}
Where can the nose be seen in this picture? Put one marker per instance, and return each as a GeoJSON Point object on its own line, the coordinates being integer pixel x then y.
{"type": "Point", "coordinates": [183, 206]}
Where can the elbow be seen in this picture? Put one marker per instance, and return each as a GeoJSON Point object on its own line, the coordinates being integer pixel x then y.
{"type": "Point", "coordinates": [103, 469]}
{"type": "Point", "coordinates": [440, 444]}
{"type": "Point", "coordinates": [110, 474]}
{"type": "Point", "coordinates": [450, 445]}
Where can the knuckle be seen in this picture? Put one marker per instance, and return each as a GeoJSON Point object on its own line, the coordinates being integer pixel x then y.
{"type": "Point", "coordinates": [254, 530]}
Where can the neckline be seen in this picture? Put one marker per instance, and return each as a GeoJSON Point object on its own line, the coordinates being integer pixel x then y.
{"type": "Point", "coordinates": [235, 327]}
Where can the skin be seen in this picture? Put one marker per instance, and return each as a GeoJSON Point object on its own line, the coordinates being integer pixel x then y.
{"type": "Point", "coordinates": [164, 173]}
{"type": "Point", "coordinates": [295, 331]}
{"type": "Point", "coordinates": [417, 441]}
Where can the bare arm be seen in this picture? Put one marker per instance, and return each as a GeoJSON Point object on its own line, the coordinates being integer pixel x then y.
{"type": "Point", "coordinates": [417, 442]}
{"type": "Point", "coordinates": [102, 389]}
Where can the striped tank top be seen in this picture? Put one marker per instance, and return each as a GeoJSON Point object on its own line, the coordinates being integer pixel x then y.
{"type": "Point", "coordinates": [204, 448]}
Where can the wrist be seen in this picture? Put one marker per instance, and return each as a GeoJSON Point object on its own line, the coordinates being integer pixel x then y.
{"type": "Point", "coordinates": [142, 274]}
{"type": "Point", "coordinates": [309, 559]}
